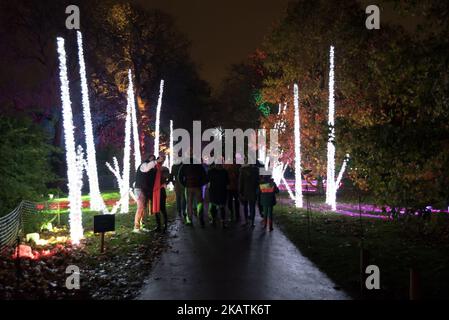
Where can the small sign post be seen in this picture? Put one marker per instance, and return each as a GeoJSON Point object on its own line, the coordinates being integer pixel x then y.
{"type": "Point", "coordinates": [102, 224]}
{"type": "Point", "coordinates": [102, 243]}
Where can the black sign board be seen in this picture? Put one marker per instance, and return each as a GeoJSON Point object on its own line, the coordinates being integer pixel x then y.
{"type": "Point", "coordinates": [104, 223]}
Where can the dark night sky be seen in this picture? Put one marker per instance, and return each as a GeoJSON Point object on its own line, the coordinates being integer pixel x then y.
{"type": "Point", "coordinates": [222, 32]}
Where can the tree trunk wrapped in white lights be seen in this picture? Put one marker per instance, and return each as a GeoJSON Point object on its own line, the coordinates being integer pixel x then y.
{"type": "Point", "coordinates": [137, 155]}
{"type": "Point", "coordinates": [342, 172]}
{"type": "Point", "coordinates": [116, 172]}
{"type": "Point", "coordinates": [76, 220]}
{"type": "Point", "coordinates": [96, 201]}
{"type": "Point", "coordinates": [262, 147]}
{"type": "Point", "coordinates": [73, 174]}
{"type": "Point", "coordinates": [331, 191]}
{"type": "Point", "coordinates": [171, 145]}
{"type": "Point", "coordinates": [298, 178]}
{"type": "Point", "coordinates": [123, 180]}
{"type": "Point", "coordinates": [124, 193]}
{"type": "Point", "coordinates": [158, 119]}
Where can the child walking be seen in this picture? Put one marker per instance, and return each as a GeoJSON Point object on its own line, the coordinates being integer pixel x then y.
{"type": "Point", "coordinates": [268, 190]}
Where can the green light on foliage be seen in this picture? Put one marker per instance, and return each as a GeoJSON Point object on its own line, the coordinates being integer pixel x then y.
{"type": "Point", "coordinates": [264, 107]}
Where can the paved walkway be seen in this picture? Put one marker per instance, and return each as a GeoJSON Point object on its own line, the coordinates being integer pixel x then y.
{"type": "Point", "coordinates": [235, 263]}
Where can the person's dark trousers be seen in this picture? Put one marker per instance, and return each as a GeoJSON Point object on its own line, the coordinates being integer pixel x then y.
{"type": "Point", "coordinates": [251, 204]}
{"type": "Point", "coordinates": [181, 203]}
{"type": "Point", "coordinates": [234, 204]}
{"type": "Point", "coordinates": [223, 213]}
{"type": "Point", "coordinates": [214, 210]}
{"type": "Point", "coordinates": [194, 195]}
{"type": "Point", "coordinates": [259, 207]}
{"type": "Point", "coordinates": [163, 212]}
{"type": "Point", "coordinates": [268, 213]}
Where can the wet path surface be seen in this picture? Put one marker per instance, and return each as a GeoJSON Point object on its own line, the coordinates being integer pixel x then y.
{"type": "Point", "coordinates": [235, 263]}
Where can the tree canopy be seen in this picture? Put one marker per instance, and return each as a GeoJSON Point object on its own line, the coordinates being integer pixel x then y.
{"type": "Point", "coordinates": [25, 159]}
{"type": "Point", "coordinates": [391, 96]}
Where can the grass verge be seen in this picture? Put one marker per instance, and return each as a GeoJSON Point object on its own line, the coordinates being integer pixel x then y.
{"type": "Point", "coordinates": [118, 273]}
{"type": "Point", "coordinates": [394, 246]}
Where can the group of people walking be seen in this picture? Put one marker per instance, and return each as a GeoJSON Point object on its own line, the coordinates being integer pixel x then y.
{"type": "Point", "coordinates": [224, 188]}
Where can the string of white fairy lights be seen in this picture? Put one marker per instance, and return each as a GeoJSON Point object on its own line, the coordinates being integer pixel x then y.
{"type": "Point", "coordinates": [332, 184]}
{"type": "Point", "coordinates": [331, 197]}
{"type": "Point", "coordinates": [76, 162]}
{"type": "Point", "coordinates": [96, 201]}
{"type": "Point", "coordinates": [73, 166]}
{"type": "Point", "coordinates": [158, 119]}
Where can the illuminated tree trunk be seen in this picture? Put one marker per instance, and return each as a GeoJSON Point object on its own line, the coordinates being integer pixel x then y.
{"type": "Point", "coordinates": [298, 178]}
{"type": "Point", "coordinates": [158, 119]}
{"type": "Point", "coordinates": [96, 201]}
{"type": "Point", "coordinates": [124, 191]}
{"type": "Point", "coordinates": [331, 196]}
{"type": "Point", "coordinates": [135, 126]}
{"type": "Point", "coordinates": [75, 215]}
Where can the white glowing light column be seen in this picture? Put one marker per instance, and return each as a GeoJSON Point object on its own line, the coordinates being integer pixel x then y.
{"type": "Point", "coordinates": [75, 215]}
{"type": "Point", "coordinates": [124, 190]}
{"type": "Point", "coordinates": [137, 156]}
{"type": "Point", "coordinates": [158, 119]}
{"type": "Point", "coordinates": [342, 171]}
{"type": "Point", "coordinates": [171, 145]}
{"type": "Point", "coordinates": [170, 155]}
{"type": "Point", "coordinates": [116, 171]}
{"type": "Point", "coordinates": [298, 179]}
{"type": "Point", "coordinates": [331, 191]}
{"type": "Point", "coordinates": [262, 147]}
{"type": "Point", "coordinates": [96, 201]}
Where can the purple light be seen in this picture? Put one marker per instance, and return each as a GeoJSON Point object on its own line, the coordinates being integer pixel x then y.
{"type": "Point", "coordinates": [364, 215]}
{"type": "Point", "coordinates": [367, 210]}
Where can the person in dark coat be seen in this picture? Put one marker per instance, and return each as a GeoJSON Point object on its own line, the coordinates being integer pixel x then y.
{"type": "Point", "coordinates": [260, 165]}
{"type": "Point", "coordinates": [143, 190]}
{"type": "Point", "coordinates": [193, 177]}
{"type": "Point", "coordinates": [268, 190]}
{"type": "Point", "coordinates": [218, 182]}
{"type": "Point", "coordinates": [233, 190]}
{"type": "Point", "coordinates": [181, 205]}
{"type": "Point", "coordinates": [248, 189]}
